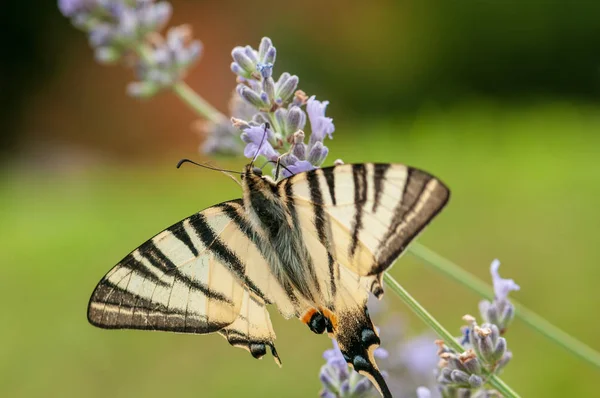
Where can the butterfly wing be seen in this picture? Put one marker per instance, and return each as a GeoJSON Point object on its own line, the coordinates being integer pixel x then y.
{"type": "Point", "coordinates": [363, 217]}
{"type": "Point", "coordinates": [367, 214]}
{"type": "Point", "coordinates": [201, 275]}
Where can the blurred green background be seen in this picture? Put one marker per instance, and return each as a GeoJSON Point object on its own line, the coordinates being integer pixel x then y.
{"type": "Point", "coordinates": [499, 99]}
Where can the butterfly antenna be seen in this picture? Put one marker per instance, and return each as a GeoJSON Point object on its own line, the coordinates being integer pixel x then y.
{"type": "Point", "coordinates": [262, 141]}
{"type": "Point", "coordinates": [182, 161]}
{"type": "Point", "coordinates": [278, 164]}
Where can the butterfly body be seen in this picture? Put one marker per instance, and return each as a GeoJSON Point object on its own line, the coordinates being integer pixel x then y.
{"type": "Point", "coordinates": [313, 245]}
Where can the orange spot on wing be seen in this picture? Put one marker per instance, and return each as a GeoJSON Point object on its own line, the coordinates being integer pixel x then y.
{"type": "Point", "coordinates": [307, 315]}
{"type": "Point", "coordinates": [331, 316]}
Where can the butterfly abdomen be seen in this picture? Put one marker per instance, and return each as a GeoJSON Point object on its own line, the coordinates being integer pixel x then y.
{"type": "Point", "coordinates": [274, 215]}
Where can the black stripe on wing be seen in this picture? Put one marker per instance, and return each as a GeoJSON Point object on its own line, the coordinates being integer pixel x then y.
{"type": "Point", "coordinates": [320, 220]}
{"type": "Point", "coordinates": [359, 176]}
{"type": "Point", "coordinates": [216, 246]}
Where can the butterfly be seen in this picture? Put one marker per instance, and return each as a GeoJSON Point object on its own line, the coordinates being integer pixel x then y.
{"type": "Point", "coordinates": [314, 245]}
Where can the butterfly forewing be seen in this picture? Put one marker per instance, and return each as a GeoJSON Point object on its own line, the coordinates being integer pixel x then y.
{"type": "Point", "coordinates": [371, 212]}
{"type": "Point", "coordinates": [201, 275]}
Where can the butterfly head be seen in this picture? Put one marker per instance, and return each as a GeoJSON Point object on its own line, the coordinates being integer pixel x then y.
{"type": "Point", "coordinates": [254, 180]}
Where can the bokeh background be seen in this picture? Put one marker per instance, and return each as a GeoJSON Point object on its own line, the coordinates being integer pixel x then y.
{"type": "Point", "coordinates": [499, 99]}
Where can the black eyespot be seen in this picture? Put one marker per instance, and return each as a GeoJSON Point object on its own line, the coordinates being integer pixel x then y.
{"type": "Point", "coordinates": [317, 323]}
{"type": "Point", "coordinates": [258, 350]}
{"type": "Point", "coordinates": [360, 363]}
{"type": "Point", "coordinates": [369, 338]}
{"type": "Point", "coordinates": [257, 171]}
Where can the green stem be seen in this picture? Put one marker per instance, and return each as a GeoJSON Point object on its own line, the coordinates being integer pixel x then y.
{"type": "Point", "coordinates": [187, 94]}
{"type": "Point", "coordinates": [530, 318]}
{"type": "Point", "coordinates": [197, 103]}
{"type": "Point", "coordinates": [448, 338]}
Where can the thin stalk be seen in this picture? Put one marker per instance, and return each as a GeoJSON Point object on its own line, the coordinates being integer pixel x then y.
{"type": "Point", "coordinates": [197, 103]}
{"type": "Point", "coordinates": [448, 338]}
{"type": "Point", "coordinates": [533, 320]}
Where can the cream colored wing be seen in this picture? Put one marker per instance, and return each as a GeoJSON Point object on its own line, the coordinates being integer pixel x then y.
{"type": "Point", "coordinates": [204, 274]}
{"type": "Point", "coordinates": [366, 214]}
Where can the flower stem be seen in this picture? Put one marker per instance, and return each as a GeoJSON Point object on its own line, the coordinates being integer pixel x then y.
{"type": "Point", "coordinates": [533, 320]}
{"type": "Point", "coordinates": [448, 338]}
{"type": "Point", "coordinates": [186, 93]}
{"type": "Point", "coordinates": [197, 103]}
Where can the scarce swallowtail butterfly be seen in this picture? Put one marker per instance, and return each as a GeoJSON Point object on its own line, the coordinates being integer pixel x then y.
{"type": "Point", "coordinates": [314, 245]}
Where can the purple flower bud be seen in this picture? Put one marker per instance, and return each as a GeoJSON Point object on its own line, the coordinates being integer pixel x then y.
{"type": "Point", "coordinates": [235, 68]}
{"type": "Point", "coordinates": [264, 97]}
{"type": "Point", "coordinates": [286, 89]}
{"type": "Point", "coordinates": [264, 46]}
{"type": "Point", "coordinates": [473, 365]}
{"type": "Point", "coordinates": [296, 119]}
{"type": "Point", "coordinates": [251, 54]}
{"type": "Point", "coordinates": [459, 377]}
{"type": "Point", "coordinates": [504, 361]}
{"type": "Point", "coordinates": [239, 56]}
{"type": "Point", "coordinates": [270, 56]}
{"type": "Point", "coordinates": [251, 96]}
{"type": "Point", "coordinates": [280, 118]}
{"type": "Point", "coordinates": [299, 147]}
{"type": "Point", "coordinates": [269, 89]}
{"type": "Point", "coordinates": [475, 381]}
{"type": "Point", "coordinates": [499, 350]}
{"type": "Point", "coordinates": [282, 79]}
{"type": "Point", "coordinates": [445, 376]}
{"type": "Point", "coordinates": [485, 346]}
{"type": "Point", "coordinates": [317, 153]}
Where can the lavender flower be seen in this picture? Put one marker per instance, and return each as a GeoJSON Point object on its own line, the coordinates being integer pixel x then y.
{"type": "Point", "coordinates": [280, 104]}
{"type": "Point", "coordinates": [120, 27]}
{"type": "Point", "coordinates": [485, 352]}
{"type": "Point", "coordinates": [340, 381]}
